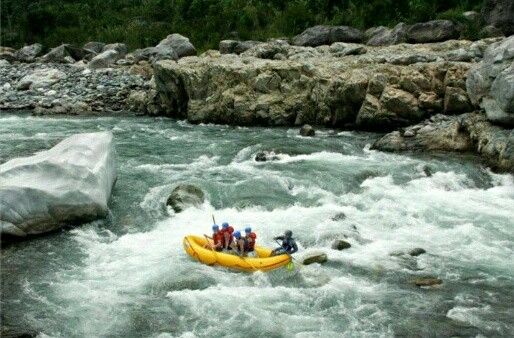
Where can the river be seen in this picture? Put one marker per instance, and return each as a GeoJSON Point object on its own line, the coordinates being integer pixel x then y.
{"type": "Point", "coordinates": [128, 276]}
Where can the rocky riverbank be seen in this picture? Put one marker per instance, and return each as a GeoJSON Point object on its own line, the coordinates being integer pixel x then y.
{"type": "Point", "coordinates": [376, 86]}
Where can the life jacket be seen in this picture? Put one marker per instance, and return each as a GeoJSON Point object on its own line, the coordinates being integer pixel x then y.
{"type": "Point", "coordinates": [229, 231]}
{"type": "Point", "coordinates": [217, 238]}
{"type": "Point", "coordinates": [250, 244]}
{"type": "Point", "coordinates": [288, 243]}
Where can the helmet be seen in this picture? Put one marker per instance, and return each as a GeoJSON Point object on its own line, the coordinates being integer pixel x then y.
{"type": "Point", "coordinates": [224, 225]}
{"type": "Point", "coordinates": [237, 234]}
{"type": "Point", "coordinates": [248, 230]}
{"type": "Point", "coordinates": [288, 233]}
{"type": "Point", "coordinates": [215, 227]}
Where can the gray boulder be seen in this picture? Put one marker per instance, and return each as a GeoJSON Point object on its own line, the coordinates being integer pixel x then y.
{"type": "Point", "coordinates": [180, 44]}
{"type": "Point", "coordinates": [153, 54]}
{"type": "Point", "coordinates": [94, 46]}
{"type": "Point", "coordinates": [500, 14]}
{"type": "Point", "coordinates": [417, 251]}
{"type": "Point", "coordinates": [185, 196]}
{"type": "Point", "coordinates": [432, 31]}
{"type": "Point", "coordinates": [40, 78]}
{"type": "Point", "coordinates": [29, 53]}
{"type": "Point", "coordinates": [491, 83]}
{"type": "Point", "coordinates": [67, 184]}
{"type": "Point", "coordinates": [439, 133]}
{"type": "Point", "coordinates": [236, 47]}
{"type": "Point", "coordinates": [105, 59]}
{"type": "Point", "coordinates": [120, 48]}
{"type": "Point", "coordinates": [326, 35]}
{"type": "Point", "coordinates": [66, 53]}
{"type": "Point", "coordinates": [385, 36]}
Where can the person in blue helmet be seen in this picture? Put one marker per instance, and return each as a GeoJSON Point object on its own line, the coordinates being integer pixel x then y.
{"type": "Point", "coordinates": [217, 238]}
{"type": "Point", "coordinates": [228, 235]}
{"type": "Point", "coordinates": [288, 244]}
{"type": "Point", "coordinates": [239, 244]}
{"type": "Point", "coordinates": [250, 238]}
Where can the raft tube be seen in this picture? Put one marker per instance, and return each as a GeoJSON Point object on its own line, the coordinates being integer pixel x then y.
{"type": "Point", "coordinates": [195, 247]}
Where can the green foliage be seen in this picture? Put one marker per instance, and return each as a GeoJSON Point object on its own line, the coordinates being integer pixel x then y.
{"type": "Point", "coordinates": [141, 23]}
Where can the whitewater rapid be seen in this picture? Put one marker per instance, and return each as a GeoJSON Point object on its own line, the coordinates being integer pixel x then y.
{"type": "Point", "coordinates": [128, 275]}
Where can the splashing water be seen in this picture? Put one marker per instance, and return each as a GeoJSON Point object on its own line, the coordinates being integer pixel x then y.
{"type": "Point", "coordinates": [128, 275]}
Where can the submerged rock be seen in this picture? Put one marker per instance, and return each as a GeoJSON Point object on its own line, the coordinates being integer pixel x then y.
{"type": "Point", "coordinates": [417, 251]}
{"type": "Point", "coordinates": [428, 281]}
{"type": "Point", "coordinates": [67, 184]}
{"type": "Point", "coordinates": [185, 196]}
{"type": "Point", "coordinates": [263, 156]}
{"type": "Point", "coordinates": [340, 244]}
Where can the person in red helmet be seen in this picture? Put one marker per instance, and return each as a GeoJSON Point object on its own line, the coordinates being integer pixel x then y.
{"type": "Point", "coordinates": [228, 237]}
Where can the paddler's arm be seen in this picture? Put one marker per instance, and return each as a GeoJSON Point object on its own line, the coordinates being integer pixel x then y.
{"type": "Point", "coordinates": [295, 247]}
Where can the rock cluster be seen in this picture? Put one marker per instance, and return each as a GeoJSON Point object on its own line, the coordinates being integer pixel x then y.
{"type": "Point", "coordinates": [456, 133]}
{"type": "Point", "coordinates": [67, 88]}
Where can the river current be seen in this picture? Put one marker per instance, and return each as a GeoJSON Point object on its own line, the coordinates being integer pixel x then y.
{"type": "Point", "coordinates": [128, 276]}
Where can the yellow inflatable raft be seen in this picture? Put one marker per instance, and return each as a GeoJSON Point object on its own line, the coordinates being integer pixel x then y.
{"type": "Point", "coordinates": [195, 246]}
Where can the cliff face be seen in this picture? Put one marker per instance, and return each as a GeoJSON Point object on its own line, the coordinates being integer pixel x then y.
{"type": "Point", "coordinates": [341, 85]}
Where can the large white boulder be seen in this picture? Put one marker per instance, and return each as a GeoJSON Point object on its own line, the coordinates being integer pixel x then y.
{"type": "Point", "coordinates": [68, 184]}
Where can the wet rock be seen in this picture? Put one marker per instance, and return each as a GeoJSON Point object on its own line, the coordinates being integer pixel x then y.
{"type": "Point", "coordinates": [307, 130]}
{"type": "Point", "coordinates": [314, 257]}
{"type": "Point", "coordinates": [28, 53]}
{"type": "Point", "coordinates": [185, 196]}
{"type": "Point", "coordinates": [40, 78]}
{"type": "Point", "coordinates": [326, 35]}
{"type": "Point", "coordinates": [74, 107]}
{"type": "Point", "coordinates": [385, 36]}
{"type": "Point", "coordinates": [432, 31]}
{"type": "Point", "coordinates": [428, 281]}
{"type": "Point", "coordinates": [263, 156]}
{"type": "Point", "coordinates": [339, 216]}
{"type": "Point", "coordinates": [68, 184]}
{"type": "Point", "coordinates": [438, 133]}
{"type": "Point", "coordinates": [340, 244]}
{"type": "Point", "coordinates": [179, 43]}
{"type": "Point", "coordinates": [417, 251]}
{"type": "Point", "coordinates": [94, 46]}
{"type": "Point", "coordinates": [500, 14]}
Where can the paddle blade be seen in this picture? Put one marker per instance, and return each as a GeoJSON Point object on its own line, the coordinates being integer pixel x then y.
{"type": "Point", "coordinates": [290, 266]}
